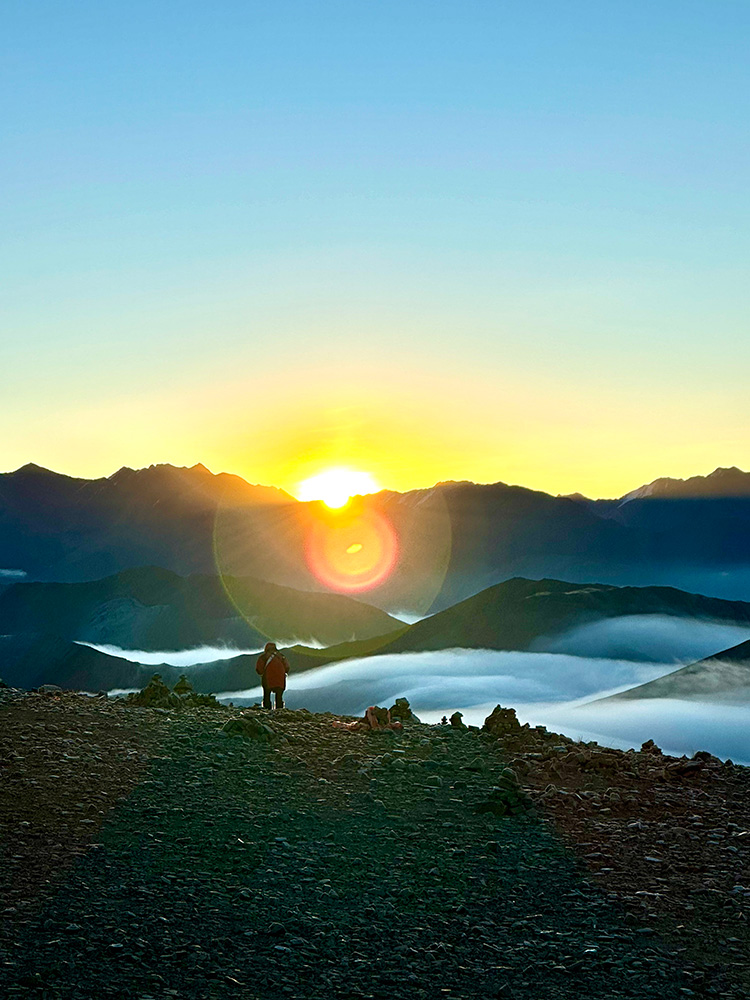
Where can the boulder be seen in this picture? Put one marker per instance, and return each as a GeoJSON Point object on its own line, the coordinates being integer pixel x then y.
{"type": "Point", "coordinates": [684, 768]}
{"type": "Point", "coordinates": [504, 801]}
{"type": "Point", "coordinates": [507, 778]}
{"type": "Point", "coordinates": [156, 694]}
{"type": "Point", "coordinates": [183, 686]}
{"type": "Point", "coordinates": [707, 758]}
{"type": "Point", "coordinates": [49, 689]}
{"type": "Point", "coordinates": [249, 727]}
{"type": "Point", "coordinates": [401, 710]}
{"type": "Point", "coordinates": [456, 721]}
{"type": "Point", "coordinates": [501, 721]}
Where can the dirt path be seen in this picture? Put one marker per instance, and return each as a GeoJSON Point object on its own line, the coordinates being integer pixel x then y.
{"type": "Point", "coordinates": [320, 864]}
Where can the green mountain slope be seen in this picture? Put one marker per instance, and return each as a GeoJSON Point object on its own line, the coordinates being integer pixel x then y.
{"type": "Point", "coordinates": [513, 614]}
{"type": "Point", "coordinates": [152, 608]}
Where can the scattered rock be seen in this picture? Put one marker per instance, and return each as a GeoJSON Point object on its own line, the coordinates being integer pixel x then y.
{"type": "Point", "coordinates": [157, 695]}
{"type": "Point", "coordinates": [501, 721]}
{"type": "Point", "coordinates": [249, 727]}
{"type": "Point", "coordinates": [183, 686]}
{"type": "Point", "coordinates": [401, 710]}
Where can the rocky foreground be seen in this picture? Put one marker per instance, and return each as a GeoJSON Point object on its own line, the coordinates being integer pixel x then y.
{"type": "Point", "coordinates": [151, 853]}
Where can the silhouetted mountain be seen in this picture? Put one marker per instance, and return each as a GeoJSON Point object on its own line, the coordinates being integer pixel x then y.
{"type": "Point", "coordinates": [723, 676]}
{"type": "Point", "coordinates": [30, 660]}
{"type": "Point", "coordinates": [719, 483]}
{"type": "Point", "coordinates": [154, 609]}
{"type": "Point", "coordinates": [514, 614]}
{"type": "Point", "coordinates": [496, 532]}
{"type": "Point", "coordinates": [508, 616]}
{"type": "Point", "coordinates": [454, 540]}
{"type": "Point", "coordinates": [58, 528]}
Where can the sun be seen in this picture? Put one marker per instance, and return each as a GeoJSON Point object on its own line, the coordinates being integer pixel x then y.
{"type": "Point", "coordinates": [335, 486]}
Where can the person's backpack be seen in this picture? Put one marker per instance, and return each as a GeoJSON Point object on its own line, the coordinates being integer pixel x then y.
{"type": "Point", "coordinates": [276, 667]}
{"type": "Point", "coordinates": [275, 655]}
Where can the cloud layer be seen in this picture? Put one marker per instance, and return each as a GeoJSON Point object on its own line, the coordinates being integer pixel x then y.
{"type": "Point", "coordinates": [173, 657]}
{"type": "Point", "coordinates": [459, 679]}
{"type": "Point", "coordinates": [648, 638]}
{"type": "Point", "coordinates": [551, 689]}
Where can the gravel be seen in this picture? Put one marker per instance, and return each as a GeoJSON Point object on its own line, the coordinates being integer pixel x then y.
{"type": "Point", "coordinates": [150, 855]}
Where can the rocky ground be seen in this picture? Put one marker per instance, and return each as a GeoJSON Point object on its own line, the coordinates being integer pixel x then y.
{"type": "Point", "coordinates": [149, 854]}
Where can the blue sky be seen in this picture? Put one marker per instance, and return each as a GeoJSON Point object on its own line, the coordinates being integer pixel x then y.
{"type": "Point", "coordinates": [377, 206]}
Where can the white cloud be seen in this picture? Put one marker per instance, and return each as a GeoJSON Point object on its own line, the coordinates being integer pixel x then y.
{"type": "Point", "coordinates": [653, 638]}
{"type": "Point", "coordinates": [678, 727]}
{"type": "Point", "coordinates": [551, 689]}
{"type": "Point", "coordinates": [173, 657]}
{"type": "Point", "coordinates": [460, 678]}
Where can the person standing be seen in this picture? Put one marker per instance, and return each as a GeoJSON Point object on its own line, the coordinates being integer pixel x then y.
{"type": "Point", "coordinates": [273, 667]}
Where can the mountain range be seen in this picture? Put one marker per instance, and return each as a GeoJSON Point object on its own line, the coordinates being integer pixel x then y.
{"type": "Point", "coordinates": [518, 613]}
{"type": "Point", "coordinates": [514, 615]}
{"type": "Point", "coordinates": [29, 660]}
{"type": "Point", "coordinates": [455, 539]}
{"type": "Point", "coordinates": [155, 609]}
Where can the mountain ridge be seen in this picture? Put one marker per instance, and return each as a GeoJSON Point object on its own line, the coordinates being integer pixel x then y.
{"type": "Point", "coordinates": [152, 608]}
{"type": "Point", "coordinates": [514, 615]}
{"type": "Point", "coordinates": [722, 477]}
{"type": "Point", "coordinates": [455, 538]}
{"type": "Point", "coordinates": [724, 675]}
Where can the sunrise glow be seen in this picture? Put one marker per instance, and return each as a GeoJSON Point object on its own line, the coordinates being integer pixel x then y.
{"type": "Point", "coordinates": [335, 486]}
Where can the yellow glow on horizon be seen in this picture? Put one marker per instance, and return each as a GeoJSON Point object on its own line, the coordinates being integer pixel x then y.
{"type": "Point", "coordinates": [335, 486]}
{"type": "Point", "coordinates": [407, 430]}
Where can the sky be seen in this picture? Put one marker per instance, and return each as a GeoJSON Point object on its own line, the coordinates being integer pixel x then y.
{"type": "Point", "coordinates": [429, 240]}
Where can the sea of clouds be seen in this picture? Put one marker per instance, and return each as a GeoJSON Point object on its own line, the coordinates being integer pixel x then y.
{"type": "Point", "coordinates": [556, 687]}
{"type": "Point", "coordinates": [654, 638]}
{"type": "Point", "coordinates": [556, 690]}
{"type": "Point", "coordinates": [557, 684]}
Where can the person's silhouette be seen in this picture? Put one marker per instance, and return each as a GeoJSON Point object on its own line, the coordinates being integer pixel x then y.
{"type": "Point", "coordinates": [273, 667]}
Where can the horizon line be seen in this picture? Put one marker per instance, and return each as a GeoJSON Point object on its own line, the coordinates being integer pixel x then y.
{"type": "Point", "coordinates": [385, 489]}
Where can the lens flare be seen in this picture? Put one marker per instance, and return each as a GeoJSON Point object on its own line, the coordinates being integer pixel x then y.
{"type": "Point", "coordinates": [351, 551]}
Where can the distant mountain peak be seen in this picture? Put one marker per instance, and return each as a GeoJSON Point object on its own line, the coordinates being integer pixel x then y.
{"type": "Point", "coordinates": [722, 473]}
{"type": "Point", "coordinates": [160, 469]}
{"type": "Point", "coordinates": [33, 471]}
{"type": "Point", "coordinates": [722, 482]}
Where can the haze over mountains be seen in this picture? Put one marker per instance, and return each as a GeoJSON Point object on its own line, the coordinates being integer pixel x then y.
{"type": "Point", "coordinates": [456, 539]}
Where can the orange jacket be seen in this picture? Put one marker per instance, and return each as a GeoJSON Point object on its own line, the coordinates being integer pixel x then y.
{"type": "Point", "coordinates": [273, 668]}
